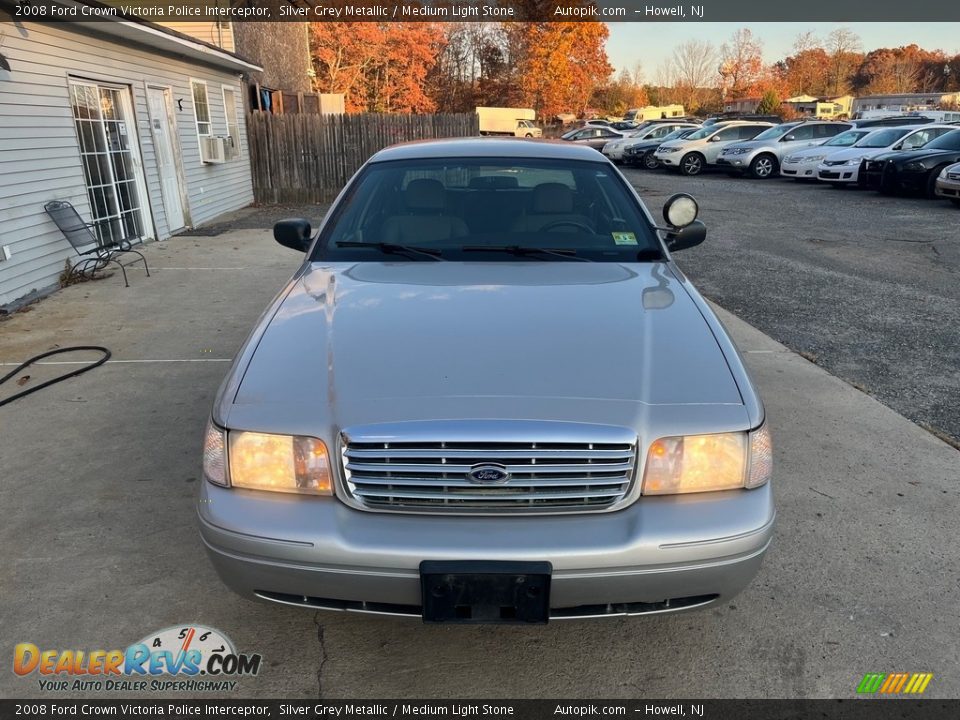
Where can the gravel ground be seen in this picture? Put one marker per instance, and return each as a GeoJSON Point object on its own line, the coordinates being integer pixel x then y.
{"type": "Point", "coordinates": [862, 284]}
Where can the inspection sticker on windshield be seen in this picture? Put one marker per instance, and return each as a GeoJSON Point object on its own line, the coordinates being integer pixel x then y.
{"type": "Point", "coordinates": [624, 238]}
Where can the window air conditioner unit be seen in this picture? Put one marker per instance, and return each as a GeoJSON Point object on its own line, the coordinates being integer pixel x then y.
{"type": "Point", "coordinates": [212, 150]}
{"type": "Point", "coordinates": [230, 149]}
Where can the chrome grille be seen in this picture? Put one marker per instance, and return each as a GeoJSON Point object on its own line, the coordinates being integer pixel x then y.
{"type": "Point", "coordinates": [543, 476]}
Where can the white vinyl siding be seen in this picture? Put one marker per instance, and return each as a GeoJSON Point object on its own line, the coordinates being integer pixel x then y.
{"type": "Point", "coordinates": [40, 154]}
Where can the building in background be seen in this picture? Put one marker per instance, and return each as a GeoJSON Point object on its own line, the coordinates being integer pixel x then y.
{"type": "Point", "coordinates": [141, 128]}
{"type": "Point", "coordinates": [824, 108]}
{"type": "Point", "coordinates": [907, 102]}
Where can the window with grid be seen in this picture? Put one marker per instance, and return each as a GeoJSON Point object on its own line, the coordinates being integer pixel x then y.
{"type": "Point", "coordinates": [201, 107]}
{"type": "Point", "coordinates": [233, 126]}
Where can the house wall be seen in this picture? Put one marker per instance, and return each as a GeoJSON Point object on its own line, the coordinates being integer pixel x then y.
{"type": "Point", "coordinates": [40, 155]}
{"type": "Point", "coordinates": [215, 33]}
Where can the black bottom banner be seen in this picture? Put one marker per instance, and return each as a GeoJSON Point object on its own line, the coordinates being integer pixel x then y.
{"type": "Point", "coordinates": [854, 709]}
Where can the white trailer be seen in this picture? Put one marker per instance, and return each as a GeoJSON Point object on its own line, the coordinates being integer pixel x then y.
{"type": "Point", "coordinates": [517, 122]}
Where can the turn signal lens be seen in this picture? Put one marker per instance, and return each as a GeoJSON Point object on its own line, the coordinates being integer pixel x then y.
{"type": "Point", "coordinates": [695, 463]}
{"type": "Point", "coordinates": [214, 455]}
{"type": "Point", "coordinates": [279, 463]}
{"type": "Point", "coordinates": [761, 457]}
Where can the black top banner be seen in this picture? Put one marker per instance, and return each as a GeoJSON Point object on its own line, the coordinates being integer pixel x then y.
{"type": "Point", "coordinates": [486, 10]}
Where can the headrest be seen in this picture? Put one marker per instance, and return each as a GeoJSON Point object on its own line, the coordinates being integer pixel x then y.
{"type": "Point", "coordinates": [552, 199]}
{"type": "Point", "coordinates": [493, 182]}
{"type": "Point", "coordinates": [424, 194]}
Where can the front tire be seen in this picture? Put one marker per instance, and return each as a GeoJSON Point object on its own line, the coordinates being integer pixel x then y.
{"type": "Point", "coordinates": [650, 161]}
{"type": "Point", "coordinates": [764, 167]}
{"type": "Point", "coordinates": [691, 164]}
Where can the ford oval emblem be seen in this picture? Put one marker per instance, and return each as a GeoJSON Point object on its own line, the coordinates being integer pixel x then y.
{"type": "Point", "coordinates": [488, 474]}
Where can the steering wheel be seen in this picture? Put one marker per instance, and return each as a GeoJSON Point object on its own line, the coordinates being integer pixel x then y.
{"type": "Point", "coordinates": [568, 223]}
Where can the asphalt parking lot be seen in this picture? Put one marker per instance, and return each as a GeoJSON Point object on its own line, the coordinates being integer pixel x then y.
{"type": "Point", "coordinates": [864, 285]}
{"type": "Point", "coordinates": [99, 478]}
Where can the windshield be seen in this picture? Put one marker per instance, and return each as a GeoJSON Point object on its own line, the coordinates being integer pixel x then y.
{"type": "Point", "coordinates": [774, 132]}
{"type": "Point", "coordinates": [677, 134]}
{"type": "Point", "coordinates": [883, 138]}
{"type": "Point", "coordinates": [950, 141]}
{"type": "Point", "coordinates": [846, 139]}
{"type": "Point", "coordinates": [702, 133]}
{"type": "Point", "coordinates": [579, 207]}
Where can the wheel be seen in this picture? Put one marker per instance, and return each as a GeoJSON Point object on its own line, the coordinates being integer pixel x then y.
{"type": "Point", "coordinates": [650, 161]}
{"type": "Point", "coordinates": [691, 164]}
{"type": "Point", "coordinates": [529, 135]}
{"type": "Point", "coordinates": [764, 167]}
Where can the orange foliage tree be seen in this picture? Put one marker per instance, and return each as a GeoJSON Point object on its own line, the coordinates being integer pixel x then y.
{"type": "Point", "coordinates": [741, 64]}
{"type": "Point", "coordinates": [379, 67]}
{"type": "Point", "coordinates": [561, 65]}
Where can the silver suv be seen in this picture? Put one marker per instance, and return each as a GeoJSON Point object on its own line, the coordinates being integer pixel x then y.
{"type": "Point", "coordinates": [761, 157]}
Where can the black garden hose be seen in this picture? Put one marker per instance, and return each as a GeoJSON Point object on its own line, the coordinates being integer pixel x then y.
{"type": "Point", "coordinates": [74, 373]}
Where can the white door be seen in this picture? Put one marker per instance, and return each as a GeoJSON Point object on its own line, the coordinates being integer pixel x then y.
{"type": "Point", "coordinates": [166, 161]}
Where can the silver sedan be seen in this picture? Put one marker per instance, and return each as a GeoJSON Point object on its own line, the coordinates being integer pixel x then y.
{"type": "Point", "coordinates": [488, 394]}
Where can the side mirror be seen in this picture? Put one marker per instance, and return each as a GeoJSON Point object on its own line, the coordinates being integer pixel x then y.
{"type": "Point", "coordinates": [680, 210]}
{"type": "Point", "coordinates": [789, 138]}
{"type": "Point", "coordinates": [293, 233]}
{"type": "Point", "coordinates": [687, 237]}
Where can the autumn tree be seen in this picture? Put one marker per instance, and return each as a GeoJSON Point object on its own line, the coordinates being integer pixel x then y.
{"type": "Point", "coordinates": [694, 65]}
{"type": "Point", "coordinates": [843, 47]}
{"type": "Point", "coordinates": [741, 63]}
{"type": "Point", "coordinates": [802, 72]}
{"type": "Point", "coordinates": [620, 95]}
{"type": "Point", "coordinates": [561, 65]}
{"type": "Point", "coordinates": [379, 67]}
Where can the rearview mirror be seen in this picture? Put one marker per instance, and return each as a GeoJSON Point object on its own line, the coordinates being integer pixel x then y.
{"type": "Point", "coordinates": [687, 237]}
{"type": "Point", "coordinates": [293, 233]}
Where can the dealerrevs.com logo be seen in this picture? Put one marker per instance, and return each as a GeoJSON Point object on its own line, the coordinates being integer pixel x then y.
{"type": "Point", "coordinates": [187, 658]}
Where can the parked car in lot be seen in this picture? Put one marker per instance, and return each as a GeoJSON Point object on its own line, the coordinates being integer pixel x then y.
{"type": "Point", "coordinates": [594, 447]}
{"type": "Point", "coordinates": [842, 168]}
{"type": "Point", "coordinates": [595, 137]}
{"type": "Point", "coordinates": [642, 153]}
{"type": "Point", "coordinates": [948, 184]}
{"type": "Point", "coordinates": [917, 171]}
{"type": "Point", "coordinates": [750, 117]}
{"type": "Point", "coordinates": [802, 164]}
{"type": "Point", "coordinates": [871, 169]}
{"type": "Point", "coordinates": [615, 148]}
{"type": "Point", "coordinates": [760, 157]}
{"type": "Point", "coordinates": [892, 121]}
{"type": "Point", "coordinates": [693, 153]}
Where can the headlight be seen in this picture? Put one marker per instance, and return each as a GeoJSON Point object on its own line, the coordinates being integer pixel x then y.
{"type": "Point", "coordinates": [668, 150]}
{"type": "Point", "coordinates": [812, 159]}
{"type": "Point", "coordinates": [703, 463]}
{"type": "Point", "coordinates": [943, 173]}
{"type": "Point", "coordinates": [852, 161]}
{"type": "Point", "coordinates": [736, 151]}
{"type": "Point", "coordinates": [258, 461]}
{"type": "Point", "coordinates": [281, 463]}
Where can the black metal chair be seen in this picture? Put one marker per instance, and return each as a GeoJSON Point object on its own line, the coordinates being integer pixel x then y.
{"type": "Point", "coordinates": [99, 253]}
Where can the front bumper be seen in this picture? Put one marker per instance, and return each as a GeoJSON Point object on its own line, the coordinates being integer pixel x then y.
{"type": "Point", "coordinates": [839, 173]}
{"type": "Point", "coordinates": [948, 189]}
{"type": "Point", "coordinates": [735, 162]}
{"type": "Point", "coordinates": [658, 555]}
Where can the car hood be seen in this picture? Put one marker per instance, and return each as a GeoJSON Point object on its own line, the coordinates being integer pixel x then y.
{"type": "Point", "coordinates": [854, 153]}
{"type": "Point", "coordinates": [811, 151]}
{"type": "Point", "coordinates": [589, 342]}
{"type": "Point", "coordinates": [750, 144]}
{"type": "Point", "coordinates": [924, 154]}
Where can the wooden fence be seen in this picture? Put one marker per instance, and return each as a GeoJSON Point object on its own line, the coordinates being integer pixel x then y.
{"type": "Point", "coordinates": [309, 158]}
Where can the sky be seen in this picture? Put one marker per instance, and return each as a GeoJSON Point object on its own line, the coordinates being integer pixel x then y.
{"type": "Point", "coordinates": [651, 43]}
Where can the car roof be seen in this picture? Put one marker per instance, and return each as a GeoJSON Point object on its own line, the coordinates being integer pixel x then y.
{"type": "Point", "coordinates": [488, 147]}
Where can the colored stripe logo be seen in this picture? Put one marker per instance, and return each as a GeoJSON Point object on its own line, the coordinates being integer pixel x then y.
{"type": "Point", "coordinates": [894, 683]}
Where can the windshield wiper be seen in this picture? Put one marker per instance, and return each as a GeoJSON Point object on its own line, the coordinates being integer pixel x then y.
{"type": "Point", "coordinates": [565, 253]}
{"type": "Point", "coordinates": [392, 248]}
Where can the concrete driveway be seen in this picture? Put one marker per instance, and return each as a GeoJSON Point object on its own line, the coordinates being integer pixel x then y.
{"type": "Point", "coordinates": [98, 477]}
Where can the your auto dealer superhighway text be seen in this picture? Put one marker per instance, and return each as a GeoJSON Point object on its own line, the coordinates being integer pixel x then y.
{"type": "Point", "coordinates": [405, 709]}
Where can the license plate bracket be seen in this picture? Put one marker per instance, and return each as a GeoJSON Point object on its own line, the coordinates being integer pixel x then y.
{"type": "Point", "coordinates": [479, 591]}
